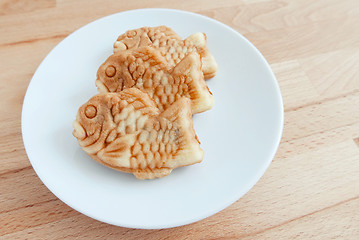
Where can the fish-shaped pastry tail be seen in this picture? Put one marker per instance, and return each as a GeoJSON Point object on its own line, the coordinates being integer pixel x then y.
{"type": "Point", "coordinates": [209, 64]}
{"type": "Point", "coordinates": [202, 98]}
{"type": "Point", "coordinates": [188, 147]}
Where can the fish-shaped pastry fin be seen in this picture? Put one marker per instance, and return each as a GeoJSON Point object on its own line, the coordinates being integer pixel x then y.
{"type": "Point", "coordinates": [118, 152]}
{"type": "Point", "coordinates": [146, 69]}
{"type": "Point", "coordinates": [170, 45]}
{"type": "Point", "coordinates": [133, 136]}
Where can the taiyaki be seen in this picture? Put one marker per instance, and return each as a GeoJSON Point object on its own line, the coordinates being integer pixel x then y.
{"type": "Point", "coordinates": [170, 44]}
{"type": "Point", "coordinates": [127, 132]}
{"type": "Point", "coordinates": [146, 69]}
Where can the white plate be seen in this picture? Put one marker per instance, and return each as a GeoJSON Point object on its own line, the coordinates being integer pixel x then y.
{"type": "Point", "coordinates": [240, 135]}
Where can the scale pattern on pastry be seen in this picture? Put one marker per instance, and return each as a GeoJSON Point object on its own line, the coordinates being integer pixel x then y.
{"type": "Point", "coordinates": [127, 132]}
{"type": "Point", "coordinates": [170, 45]}
{"type": "Point", "coordinates": [146, 69]}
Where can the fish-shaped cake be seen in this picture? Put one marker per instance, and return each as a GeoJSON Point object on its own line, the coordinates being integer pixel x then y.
{"type": "Point", "coordinates": [146, 69]}
{"type": "Point", "coordinates": [170, 44]}
{"type": "Point", "coordinates": [127, 132]}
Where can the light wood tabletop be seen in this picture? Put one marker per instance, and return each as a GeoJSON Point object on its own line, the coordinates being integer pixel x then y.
{"type": "Point", "coordinates": [311, 189]}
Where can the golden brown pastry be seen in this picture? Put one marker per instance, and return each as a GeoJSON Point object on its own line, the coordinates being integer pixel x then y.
{"type": "Point", "coordinates": [127, 132]}
{"type": "Point", "coordinates": [146, 69]}
{"type": "Point", "coordinates": [170, 45]}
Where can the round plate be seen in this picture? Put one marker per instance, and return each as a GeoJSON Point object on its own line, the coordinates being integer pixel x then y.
{"type": "Point", "coordinates": [240, 135]}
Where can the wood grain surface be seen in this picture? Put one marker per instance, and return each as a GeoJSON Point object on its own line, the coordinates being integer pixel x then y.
{"type": "Point", "coordinates": [310, 191]}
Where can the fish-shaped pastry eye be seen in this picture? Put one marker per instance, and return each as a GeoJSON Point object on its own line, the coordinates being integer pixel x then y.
{"type": "Point", "coordinates": [110, 71]}
{"type": "Point", "coordinates": [131, 33]}
{"type": "Point", "coordinates": [90, 111]}
{"type": "Point", "coordinates": [146, 69]}
{"type": "Point", "coordinates": [130, 134]}
{"type": "Point", "coordinates": [170, 45]}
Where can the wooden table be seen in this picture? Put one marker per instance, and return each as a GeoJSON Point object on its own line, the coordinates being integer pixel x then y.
{"type": "Point", "coordinates": [311, 190]}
